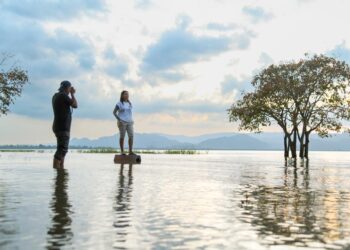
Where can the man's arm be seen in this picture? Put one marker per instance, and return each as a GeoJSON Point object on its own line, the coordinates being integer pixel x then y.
{"type": "Point", "coordinates": [115, 112]}
{"type": "Point", "coordinates": [74, 101]}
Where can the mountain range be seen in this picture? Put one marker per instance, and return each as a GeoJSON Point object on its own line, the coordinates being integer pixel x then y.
{"type": "Point", "coordinates": [218, 141]}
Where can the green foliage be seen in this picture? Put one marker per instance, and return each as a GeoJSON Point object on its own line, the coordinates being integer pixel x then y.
{"type": "Point", "coordinates": [11, 84]}
{"type": "Point", "coordinates": [311, 94]}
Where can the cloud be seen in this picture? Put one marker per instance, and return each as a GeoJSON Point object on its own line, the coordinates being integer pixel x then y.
{"type": "Point", "coordinates": [176, 47]}
{"type": "Point", "coordinates": [143, 4]}
{"type": "Point", "coordinates": [49, 57]}
{"type": "Point", "coordinates": [340, 52]}
{"type": "Point", "coordinates": [176, 105]}
{"type": "Point", "coordinates": [257, 14]}
{"type": "Point", "coordinates": [87, 60]}
{"type": "Point", "coordinates": [116, 66]}
{"type": "Point", "coordinates": [29, 41]}
{"type": "Point", "coordinates": [58, 10]}
{"type": "Point", "coordinates": [117, 69]}
{"type": "Point", "coordinates": [179, 46]}
{"type": "Point", "coordinates": [221, 26]}
{"type": "Point", "coordinates": [265, 59]}
{"type": "Point", "coordinates": [231, 84]}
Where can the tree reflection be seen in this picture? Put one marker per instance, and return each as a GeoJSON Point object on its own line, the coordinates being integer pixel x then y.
{"type": "Point", "coordinates": [122, 206]}
{"type": "Point", "coordinates": [60, 233]}
{"type": "Point", "coordinates": [293, 213]}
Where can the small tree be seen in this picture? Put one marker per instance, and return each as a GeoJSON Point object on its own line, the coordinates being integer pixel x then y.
{"type": "Point", "coordinates": [12, 81]}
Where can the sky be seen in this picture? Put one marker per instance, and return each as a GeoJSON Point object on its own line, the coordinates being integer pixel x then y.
{"type": "Point", "coordinates": [183, 62]}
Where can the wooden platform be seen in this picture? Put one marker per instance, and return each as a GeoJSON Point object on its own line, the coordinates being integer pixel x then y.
{"type": "Point", "coordinates": [127, 159]}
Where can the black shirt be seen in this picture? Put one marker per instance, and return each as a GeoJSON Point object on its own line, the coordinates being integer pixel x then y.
{"type": "Point", "coordinates": [61, 104]}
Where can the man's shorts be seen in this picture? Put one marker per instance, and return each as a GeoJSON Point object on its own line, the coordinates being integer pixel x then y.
{"type": "Point", "coordinates": [126, 127]}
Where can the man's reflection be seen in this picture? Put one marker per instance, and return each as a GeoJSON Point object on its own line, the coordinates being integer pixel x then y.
{"type": "Point", "coordinates": [122, 206]}
{"type": "Point", "coordinates": [60, 233]}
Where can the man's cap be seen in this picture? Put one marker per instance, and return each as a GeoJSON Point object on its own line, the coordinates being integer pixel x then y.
{"type": "Point", "coordinates": [65, 84]}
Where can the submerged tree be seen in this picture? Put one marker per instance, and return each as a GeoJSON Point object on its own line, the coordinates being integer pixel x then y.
{"type": "Point", "coordinates": [269, 104]}
{"type": "Point", "coordinates": [300, 97]}
{"type": "Point", "coordinates": [12, 81]}
{"type": "Point", "coordinates": [323, 104]}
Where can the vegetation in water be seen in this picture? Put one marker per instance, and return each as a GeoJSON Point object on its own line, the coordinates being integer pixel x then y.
{"type": "Point", "coordinates": [309, 95]}
{"type": "Point", "coordinates": [181, 152]}
{"type": "Point", "coordinates": [17, 150]}
{"type": "Point", "coordinates": [116, 151]}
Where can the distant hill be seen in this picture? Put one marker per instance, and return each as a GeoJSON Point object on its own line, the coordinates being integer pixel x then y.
{"type": "Point", "coordinates": [142, 141]}
{"type": "Point", "coordinates": [233, 141]}
{"type": "Point", "coordinates": [196, 139]}
{"type": "Point", "coordinates": [220, 141]}
{"type": "Point", "coordinates": [238, 141]}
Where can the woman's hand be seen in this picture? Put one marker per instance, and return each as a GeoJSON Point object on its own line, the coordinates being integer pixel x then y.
{"type": "Point", "coordinates": [115, 113]}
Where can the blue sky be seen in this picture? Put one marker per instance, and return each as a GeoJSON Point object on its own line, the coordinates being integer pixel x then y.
{"type": "Point", "coordinates": [184, 62]}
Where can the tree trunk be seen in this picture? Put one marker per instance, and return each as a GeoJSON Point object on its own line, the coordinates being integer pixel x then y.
{"type": "Point", "coordinates": [302, 146]}
{"type": "Point", "coordinates": [294, 145]}
{"type": "Point", "coordinates": [286, 146]}
{"type": "Point", "coordinates": [307, 145]}
{"type": "Point", "coordinates": [302, 143]}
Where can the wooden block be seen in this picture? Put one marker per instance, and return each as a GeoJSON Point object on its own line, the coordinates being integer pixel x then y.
{"type": "Point", "coordinates": [127, 159]}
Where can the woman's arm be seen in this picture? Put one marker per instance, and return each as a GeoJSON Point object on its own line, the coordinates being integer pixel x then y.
{"type": "Point", "coordinates": [115, 112]}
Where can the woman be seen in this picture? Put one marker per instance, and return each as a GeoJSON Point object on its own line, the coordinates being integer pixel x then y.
{"type": "Point", "coordinates": [123, 113]}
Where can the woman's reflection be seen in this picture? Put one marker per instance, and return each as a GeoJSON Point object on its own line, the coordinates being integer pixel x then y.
{"type": "Point", "coordinates": [122, 206]}
{"type": "Point", "coordinates": [60, 233]}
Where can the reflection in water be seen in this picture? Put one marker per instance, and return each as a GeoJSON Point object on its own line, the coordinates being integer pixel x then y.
{"type": "Point", "coordinates": [122, 206]}
{"type": "Point", "coordinates": [295, 214]}
{"type": "Point", "coordinates": [60, 233]}
{"type": "Point", "coordinates": [7, 228]}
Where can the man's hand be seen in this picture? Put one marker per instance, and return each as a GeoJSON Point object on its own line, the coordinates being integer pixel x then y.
{"type": "Point", "coordinates": [72, 90]}
{"type": "Point", "coordinates": [74, 101]}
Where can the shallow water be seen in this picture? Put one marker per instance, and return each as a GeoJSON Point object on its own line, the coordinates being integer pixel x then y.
{"type": "Point", "coordinates": [219, 200]}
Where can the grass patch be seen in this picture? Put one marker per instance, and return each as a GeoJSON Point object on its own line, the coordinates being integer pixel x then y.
{"type": "Point", "coordinates": [116, 151]}
{"type": "Point", "coordinates": [99, 151]}
{"type": "Point", "coordinates": [17, 150]}
{"type": "Point", "coordinates": [181, 152]}
{"type": "Point", "coordinates": [113, 151]}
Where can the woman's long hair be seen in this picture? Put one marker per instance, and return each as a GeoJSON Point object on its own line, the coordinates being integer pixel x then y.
{"type": "Point", "coordinates": [121, 97]}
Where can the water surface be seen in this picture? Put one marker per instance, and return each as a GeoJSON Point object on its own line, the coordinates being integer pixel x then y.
{"type": "Point", "coordinates": [219, 200]}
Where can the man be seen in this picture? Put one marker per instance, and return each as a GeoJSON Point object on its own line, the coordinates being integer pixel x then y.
{"type": "Point", "coordinates": [62, 104]}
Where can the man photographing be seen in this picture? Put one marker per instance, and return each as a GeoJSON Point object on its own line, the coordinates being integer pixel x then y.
{"type": "Point", "coordinates": [62, 104]}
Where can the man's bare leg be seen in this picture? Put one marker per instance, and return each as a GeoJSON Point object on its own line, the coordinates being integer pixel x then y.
{"type": "Point", "coordinates": [56, 163]}
{"type": "Point", "coordinates": [62, 163]}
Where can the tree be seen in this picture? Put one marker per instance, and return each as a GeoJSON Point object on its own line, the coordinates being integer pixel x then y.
{"type": "Point", "coordinates": [300, 97]}
{"type": "Point", "coordinates": [269, 104]}
{"type": "Point", "coordinates": [12, 81]}
{"type": "Point", "coordinates": [323, 102]}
